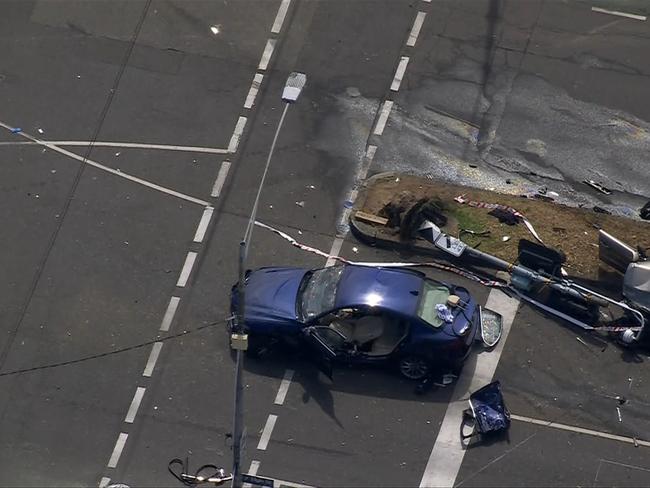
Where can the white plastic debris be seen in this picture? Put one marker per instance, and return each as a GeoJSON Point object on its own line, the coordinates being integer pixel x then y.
{"type": "Point", "coordinates": [505, 238]}
{"type": "Point", "coordinates": [300, 203]}
{"type": "Point", "coordinates": [40, 131]}
{"type": "Point", "coordinates": [355, 249]}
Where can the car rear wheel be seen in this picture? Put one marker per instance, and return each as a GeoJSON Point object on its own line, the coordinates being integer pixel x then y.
{"type": "Point", "coordinates": [414, 367]}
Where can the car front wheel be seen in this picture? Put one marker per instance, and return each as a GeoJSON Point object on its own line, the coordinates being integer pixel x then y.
{"type": "Point", "coordinates": [414, 367]}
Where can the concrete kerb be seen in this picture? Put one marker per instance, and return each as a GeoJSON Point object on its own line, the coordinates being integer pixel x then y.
{"type": "Point", "coordinates": [371, 236]}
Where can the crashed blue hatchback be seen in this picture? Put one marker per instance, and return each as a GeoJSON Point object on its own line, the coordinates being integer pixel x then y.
{"type": "Point", "coordinates": [365, 315]}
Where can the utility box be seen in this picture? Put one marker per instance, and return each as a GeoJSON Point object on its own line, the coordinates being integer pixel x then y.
{"type": "Point", "coordinates": [239, 342]}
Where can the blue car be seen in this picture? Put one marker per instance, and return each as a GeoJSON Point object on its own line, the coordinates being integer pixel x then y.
{"type": "Point", "coordinates": [364, 315]}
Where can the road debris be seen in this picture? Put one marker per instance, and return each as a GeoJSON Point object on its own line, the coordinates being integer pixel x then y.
{"type": "Point", "coordinates": [618, 412]}
{"type": "Point", "coordinates": [644, 213]}
{"type": "Point", "coordinates": [487, 414]}
{"type": "Point", "coordinates": [601, 210]}
{"type": "Point", "coordinates": [597, 186]}
{"type": "Point", "coordinates": [373, 219]}
{"type": "Point", "coordinates": [505, 238]}
{"type": "Point", "coordinates": [300, 203]}
{"type": "Point", "coordinates": [444, 313]}
{"type": "Point", "coordinates": [16, 130]}
{"type": "Point", "coordinates": [40, 131]}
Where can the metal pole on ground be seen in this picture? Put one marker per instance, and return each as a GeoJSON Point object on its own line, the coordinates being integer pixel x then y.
{"type": "Point", "coordinates": [239, 338]}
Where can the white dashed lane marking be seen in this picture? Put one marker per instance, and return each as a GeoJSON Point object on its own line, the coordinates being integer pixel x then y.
{"type": "Point", "coordinates": [103, 483]}
{"type": "Point", "coordinates": [284, 387]}
{"type": "Point", "coordinates": [203, 224]}
{"type": "Point", "coordinates": [252, 93]}
{"type": "Point", "coordinates": [153, 357]}
{"type": "Point", "coordinates": [279, 18]}
{"type": "Point", "coordinates": [135, 405]}
{"type": "Point", "coordinates": [187, 269]}
{"type": "Point", "coordinates": [415, 30]}
{"type": "Point", "coordinates": [399, 73]}
{"type": "Point", "coordinates": [236, 135]}
{"type": "Point", "coordinates": [169, 313]}
{"type": "Point", "coordinates": [266, 433]}
{"type": "Point", "coordinates": [266, 55]}
{"type": "Point", "coordinates": [117, 450]}
{"type": "Point", "coordinates": [383, 117]}
{"type": "Point", "coordinates": [221, 179]}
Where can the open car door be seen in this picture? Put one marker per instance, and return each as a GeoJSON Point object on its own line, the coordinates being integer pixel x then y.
{"type": "Point", "coordinates": [324, 344]}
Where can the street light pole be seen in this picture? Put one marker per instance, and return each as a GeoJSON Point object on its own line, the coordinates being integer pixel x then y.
{"type": "Point", "coordinates": [239, 337]}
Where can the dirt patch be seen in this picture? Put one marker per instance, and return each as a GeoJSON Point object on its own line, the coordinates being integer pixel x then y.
{"type": "Point", "coordinates": [572, 230]}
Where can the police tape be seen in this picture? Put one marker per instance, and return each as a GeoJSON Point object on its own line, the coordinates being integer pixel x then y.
{"type": "Point", "coordinates": [479, 204]}
{"type": "Point", "coordinates": [429, 264]}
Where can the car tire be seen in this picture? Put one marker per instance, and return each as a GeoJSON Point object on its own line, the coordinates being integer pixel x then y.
{"type": "Point", "coordinates": [414, 367]}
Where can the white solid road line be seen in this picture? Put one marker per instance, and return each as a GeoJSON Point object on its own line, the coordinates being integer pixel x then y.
{"type": "Point", "coordinates": [115, 172]}
{"type": "Point", "coordinates": [153, 357]}
{"type": "Point", "coordinates": [399, 73]}
{"type": "Point", "coordinates": [580, 430]}
{"type": "Point", "coordinates": [266, 433]}
{"type": "Point", "coordinates": [252, 93]}
{"type": "Point", "coordinates": [618, 13]}
{"type": "Point", "coordinates": [266, 55]}
{"type": "Point", "coordinates": [169, 313]}
{"type": "Point", "coordinates": [126, 145]}
{"type": "Point", "coordinates": [117, 450]}
{"type": "Point", "coordinates": [221, 179]}
{"type": "Point", "coordinates": [415, 30]}
{"type": "Point", "coordinates": [135, 405]}
{"type": "Point", "coordinates": [447, 453]}
{"type": "Point", "coordinates": [236, 135]}
{"type": "Point", "coordinates": [203, 224]}
{"type": "Point", "coordinates": [383, 117]}
{"type": "Point", "coordinates": [103, 483]}
{"type": "Point", "coordinates": [187, 269]}
{"type": "Point", "coordinates": [279, 18]}
{"type": "Point", "coordinates": [255, 466]}
{"type": "Point", "coordinates": [284, 387]}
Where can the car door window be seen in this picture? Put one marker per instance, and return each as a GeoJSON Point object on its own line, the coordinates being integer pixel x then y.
{"type": "Point", "coordinates": [330, 338]}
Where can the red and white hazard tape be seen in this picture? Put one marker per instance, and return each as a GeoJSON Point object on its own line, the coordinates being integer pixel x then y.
{"type": "Point", "coordinates": [430, 264]}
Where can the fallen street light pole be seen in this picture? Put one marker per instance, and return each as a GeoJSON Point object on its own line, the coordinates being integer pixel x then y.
{"type": "Point", "coordinates": [239, 337]}
{"type": "Point", "coordinates": [522, 279]}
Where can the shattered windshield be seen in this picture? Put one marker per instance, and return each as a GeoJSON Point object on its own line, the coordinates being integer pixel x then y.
{"type": "Point", "coordinates": [318, 291]}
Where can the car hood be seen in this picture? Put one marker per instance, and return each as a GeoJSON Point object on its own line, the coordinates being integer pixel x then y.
{"type": "Point", "coordinates": [271, 294]}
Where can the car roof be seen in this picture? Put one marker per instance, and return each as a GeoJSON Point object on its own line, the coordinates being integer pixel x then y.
{"type": "Point", "coordinates": [393, 289]}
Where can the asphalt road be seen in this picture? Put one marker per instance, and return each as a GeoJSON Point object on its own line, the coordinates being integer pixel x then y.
{"type": "Point", "coordinates": [110, 277]}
